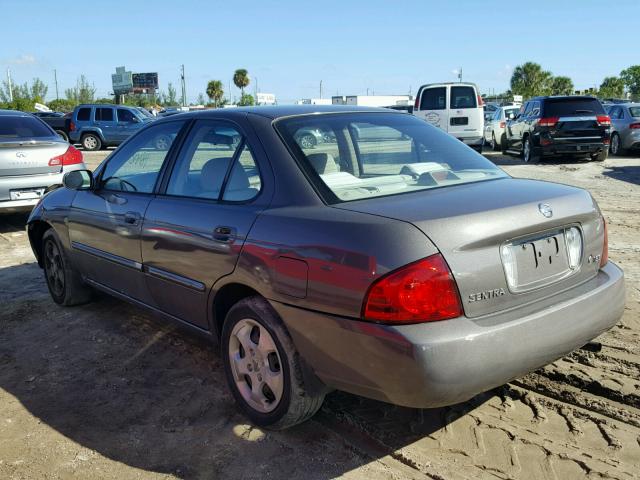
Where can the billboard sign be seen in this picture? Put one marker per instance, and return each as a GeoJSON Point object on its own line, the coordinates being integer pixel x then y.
{"type": "Point", "coordinates": [121, 81]}
{"type": "Point", "coordinates": [265, 99]}
{"type": "Point", "coordinates": [145, 82]}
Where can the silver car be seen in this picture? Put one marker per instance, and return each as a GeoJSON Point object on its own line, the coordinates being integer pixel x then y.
{"type": "Point", "coordinates": [494, 126]}
{"type": "Point", "coordinates": [32, 158]}
{"type": "Point", "coordinates": [625, 127]}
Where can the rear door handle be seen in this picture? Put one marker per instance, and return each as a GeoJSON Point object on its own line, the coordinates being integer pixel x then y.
{"type": "Point", "coordinates": [224, 234]}
{"type": "Point", "coordinates": [132, 218]}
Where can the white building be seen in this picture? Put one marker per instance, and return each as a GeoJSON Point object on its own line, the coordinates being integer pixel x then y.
{"type": "Point", "coordinates": [378, 100]}
{"type": "Point", "coordinates": [314, 101]}
{"type": "Point", "coordinates": [265, 99]}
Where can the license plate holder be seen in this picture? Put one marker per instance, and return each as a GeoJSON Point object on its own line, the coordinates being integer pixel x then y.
{"type": "Point", "coordinates": [26, 194]}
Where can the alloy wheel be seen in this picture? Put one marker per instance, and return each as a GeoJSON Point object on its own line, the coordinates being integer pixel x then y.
{"type": "Point", "coordinates": [54, 268]}
{"type": "Point", "coordinates": [493, 140]}
{"type": "Point", "coordinates": [256, 366]}
{"type": "Point", "coordinates": [90, 143]}
{"type": "Point", "coordinates": [615, 144]}
{"type": "Point", "coordinates": [527, 151]}
{"type": "Point", "coordinates": [307, 141]}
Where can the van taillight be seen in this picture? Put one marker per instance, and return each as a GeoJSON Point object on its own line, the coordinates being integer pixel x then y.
{"type": "Point", "coordinates": [72, 156]}
{"type": "Point", "coordinates": [604, 258]}
{"type": "Point", "coordinates": [603, 120]}
{"type": "Point", "coordinates": [548, 121]}
{"type": "Point", "coordinates": [423, 291]}
{"type": "Point", "coordinates": [416, 104]}
{"type": "Point", "coordinates": [480, 101]}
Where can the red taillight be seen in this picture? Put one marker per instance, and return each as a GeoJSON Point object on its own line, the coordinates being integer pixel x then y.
{"type": "Point", "coordinates": [480, 101]}
{"type": "Point", "coordinates": [503, 124]}
{"type": "Point", "coordinates": [604, 258]}
{"type": "Point", "coordinates": [603, 120]}
{"type": "Point", "coordinates": [72, 156]}
{"type": "Point", "coordinates": [423, 291]}
{"type": "Point", "coordinates": [72, 126]}
{"type": "Point", "coordinates": [548, 121]}
{"type": "Point", "coordinates": [634, 126]}
{"type": "Point", "coordinates": [416, 104]}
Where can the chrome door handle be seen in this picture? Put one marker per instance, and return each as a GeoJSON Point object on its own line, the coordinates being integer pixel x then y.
{"type": "Point", "coordinates": [132, 218]}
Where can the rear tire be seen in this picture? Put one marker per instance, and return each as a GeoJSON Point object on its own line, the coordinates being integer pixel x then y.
{"type": "Point", "coordinates": [528, 155]}
{"type": "Point", "coordinates": [503, 144]}
{"type": "Point", "coordinates": [65, 284]}
{"type": "Point", "coordinates": [600, 157]}
{"type": "Point", "coordinates": [91, 142]}
{"type": "Point", "coordinates": [494, 144]}
{"type": "Point", "coordinates": [256, 346]}
{"type": "Point", "coordinates": [616, 148]}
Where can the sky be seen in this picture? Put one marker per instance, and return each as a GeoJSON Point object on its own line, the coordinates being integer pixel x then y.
{"type": "Point", "coordinates": [289, 47]}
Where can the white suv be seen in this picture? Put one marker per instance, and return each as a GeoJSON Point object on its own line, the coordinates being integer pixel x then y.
{"type": "Point", "coordinates": [456, 108]}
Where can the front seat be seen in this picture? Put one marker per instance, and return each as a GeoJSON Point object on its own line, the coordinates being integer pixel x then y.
{"type": "Point", "coordinates": [323, 163]}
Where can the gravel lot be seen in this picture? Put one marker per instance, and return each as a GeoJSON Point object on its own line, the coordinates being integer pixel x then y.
{"type": "Point", "coordinates": [107, 391]}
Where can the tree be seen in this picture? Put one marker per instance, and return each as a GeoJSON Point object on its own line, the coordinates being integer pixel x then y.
{"type": "Point", "coordinates": [215, 91]}
{"type": "Point", "coordinates": [561, 86]}
{"type": "Point", "coordinates": [61, 105]}
{"type": "Point", "coordinates": [38, 90]}
{"type": "Point", "coordinates": [631, 78]}
{"type": "Point", "coordinates": [83, 92]}
{"type": "Point", "coordinates": [241, 79]}
{"type": "Point", "coordinates": [246, 100]}
{"type": "Point", "coordinates": [612, 87]}
{"type": "Point", "coordinates": [530, 80]}
{"type": "Point", "coordinates": [171, 98]}
{"type": "Point", "coordinates": [201, 100]}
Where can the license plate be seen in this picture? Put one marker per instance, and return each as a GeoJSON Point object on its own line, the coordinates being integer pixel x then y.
{"type": "Point", "coordinates": [536, 262]}
{"type": "Point", "coordinates": [26, 194]}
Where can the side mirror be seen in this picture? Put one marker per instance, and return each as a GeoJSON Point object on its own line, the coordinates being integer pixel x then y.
{"type": "Point", "coordinates": [136, 120]}
{"type": "Point", "coordinates": [78, 180]}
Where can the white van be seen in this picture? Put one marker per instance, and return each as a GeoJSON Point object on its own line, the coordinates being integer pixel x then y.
{"type": "Point", "coordinates": [456, 108]}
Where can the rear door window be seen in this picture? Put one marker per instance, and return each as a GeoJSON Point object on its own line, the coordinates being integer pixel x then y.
{"type": "Point", "coordinates": [634, 111]}
{"type": "Point", "coordinates": [84, 115]}
{"type": "Point", "coordinates": [104, 114]}
{"type": "Point", "coordinates": [463, 97]}
{"type": "Point", "coordinates": [434, 99]}
{"type": "Point", "coordinates": [567, 107]}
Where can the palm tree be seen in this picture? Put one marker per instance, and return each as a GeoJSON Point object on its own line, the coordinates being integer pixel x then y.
{"type": "Point", "coordinates": [529, 80]}
{"type": "Point", "coordinates": [215, 91]}
{"type": "Point", "coordinates": [241, 79]}
{"type": "Point", "coordinates": [561, 86]}
{"type": "Point", "coordinates": [612, 87]}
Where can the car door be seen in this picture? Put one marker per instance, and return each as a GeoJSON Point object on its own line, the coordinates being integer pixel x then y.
{"type": "Point", "coordinates": [193, 232]}
{"type": "Point", "coordinates": [617, 119]}
{"type": "Point", "coordinates": [433, 106]}
{"type": "Point", "coordinates": [105, 222]}
{"type": "Point", "coordinates": [516, 126]}
{"type": "Point", "coordinates": [465, 116]}
{"type": "Point", "coordinates": [105, 119]}
{"type": "Point", "coordinates": [128, 124]}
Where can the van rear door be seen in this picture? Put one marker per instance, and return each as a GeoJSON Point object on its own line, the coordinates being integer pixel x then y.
{"type": "Point", "coordinates": [432, 106]}
{"type": "Point", "coordinates": [466, 117]}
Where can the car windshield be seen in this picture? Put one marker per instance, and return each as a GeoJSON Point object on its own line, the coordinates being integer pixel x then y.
{"type": "Point", "coordinates": [634, 111]}
{"type": "Point", "coordinates": [27, 127]}
{"type": "Point", "coordinates": [144, 112]}
{"type": "Point", "coordinates": [363, 155]}
{"type": "Point", "coordinates": [509, 111]}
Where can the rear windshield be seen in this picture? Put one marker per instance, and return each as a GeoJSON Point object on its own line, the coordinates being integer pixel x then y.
{"type": "Point", "coordinates": [463, 97]}
{"type": "Point", "coordinates": [434, 99]}
{"type": "Point", "coordinates": [634, 111]}
{"type": "Point", "coordinates": [364, 155]}
{"type": "Point", "coordinates": [566, 107]}
{"type": "Point", "coordinates": [17, 127]}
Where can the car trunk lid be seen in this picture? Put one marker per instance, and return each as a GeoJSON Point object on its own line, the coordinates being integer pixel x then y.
{"type": "Point", "coordinates": [29, 157]}
{"type": "Point", "coordinates": [475, 225]}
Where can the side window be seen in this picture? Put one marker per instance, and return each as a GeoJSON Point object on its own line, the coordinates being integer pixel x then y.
{"type": "Point", "coordinates": [528, 108]}
{"type": "Point", "coordinates": [104, 114]}
{"type": "Point", "coordinates": [125, 116]}
{"type": "Point", "coordinates": [535, 110]}
{"type": "Point", "coordinates": [498, 114]}
{"type": "Point", "coordinates": [463, 97]}
{"type": "Point", "coordinates": [210, 150]}
{"type": "Point", "coordinates": [135, 166]}
{"type": "Point", "coordinates": [434, 99]}
{"type": "Point", "coordinates": [616, 113]}
{"type": "Point", "coordinates": [84, 114]}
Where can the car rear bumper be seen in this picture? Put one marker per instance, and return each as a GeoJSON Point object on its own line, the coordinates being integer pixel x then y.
{"type": "Point", "coordinates": [572, 148]}
{"type": "Point", "coordinates": [443, 363]}
{"type": "Point", "coordinates": [25, 183]}
{"type": "Point", "coordinates": [471, 141]}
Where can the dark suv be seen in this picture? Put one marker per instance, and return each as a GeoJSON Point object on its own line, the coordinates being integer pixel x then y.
{"type": "Point", "coordinates": [549, 126]}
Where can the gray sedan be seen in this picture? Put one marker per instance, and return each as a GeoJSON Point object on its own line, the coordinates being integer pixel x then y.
{"type": "Point", "coordinates": [408, 269]}
{"type": "Point", "coordinates": [32, 158]}
{"type": "Point", "coordinates": [625, 127]}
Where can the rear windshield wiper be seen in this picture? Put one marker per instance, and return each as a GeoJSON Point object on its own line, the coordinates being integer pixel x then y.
{"type": "Point", "coordinates": [583, 111]}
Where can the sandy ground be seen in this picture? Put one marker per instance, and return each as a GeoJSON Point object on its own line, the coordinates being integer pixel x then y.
{"type": "Point", "coordinates": [107, 391]}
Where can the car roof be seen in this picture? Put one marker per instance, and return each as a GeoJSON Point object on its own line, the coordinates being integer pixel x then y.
{"type": "Point", "coordinates": [572, 97]}
{"type": "Point", "coordinates": [279, 111]}
{"type": "Point", "coordinates": [14, 113]}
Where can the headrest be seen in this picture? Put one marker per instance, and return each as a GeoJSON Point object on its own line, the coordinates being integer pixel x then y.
{"type": "Point", "coordinates": [323, 163]}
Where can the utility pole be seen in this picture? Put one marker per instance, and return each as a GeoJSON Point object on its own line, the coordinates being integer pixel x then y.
{"type": "Point", "coordinates": [10, 86]}
{"type": "Point", "coordinates": [256, 90]}
{"type": "Point", "coordinates": [230, 96]}
{"type": "Point", "coordinates": [460, 75]}
{"type": "Point", "coordinates": [184, 88]}
{"type": "Point", "coordinates": [320, 88]}
{"type": "Point", "coordinates": [55, 76]}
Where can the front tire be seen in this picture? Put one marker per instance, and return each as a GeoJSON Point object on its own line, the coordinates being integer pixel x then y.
{"type": "Point", "coordinates": [264, 371]}
{"type": "Point", "coordinates": [91, 142]}
{"type": "Point", "coordinates": [65, 284]}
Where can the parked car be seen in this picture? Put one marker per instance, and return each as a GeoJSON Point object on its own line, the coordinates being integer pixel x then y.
{"type": "Point", "coordinates": [413, 271]}
{"type": "Point", "coordinates": [97, 126]}
{"type": "Point", "coordinates": [59, 121]}
{"type": "Point", "coordinates": [495, 125]}
{"type": "Point", "coordinates": [489, 110]}
{"type": "Point", "coordinates": [33, 158]}
{"type": "Point", "coordinates": [456, 108]}
{"type": "Point", "coordinates": [559, 125]}
{"type": "Point", "coordinates": [625, 127]}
